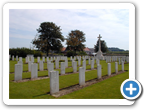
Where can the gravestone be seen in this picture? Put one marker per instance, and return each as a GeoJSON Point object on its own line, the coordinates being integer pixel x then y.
{"type": "Point", "coordinates": [99, 71]}
{"type": "Point", "coordinates": [79, 61]}
{"type": "Point", "coordinates": [84, 64]}
{"type": "Point", "coordinates": [47, 59]}
{"type": "Point", "coordinates": [13, 58]}
{"type": "Point", "coordinates": [29, 65]}
{"type": "Point", "coordinates": [66, 63]}
{"type": "Point", "coordinates": [16, 58]}
{"type": "Point", "coordinates": [18, 72]}
{"type": "Point", "coordinates": [74, 66]}
{"type": "Point", "coordinates": [97, 61]}
{"type": "Point", "coordinates": [119, 61]}
{"type": "Point", "coordinates": [92, 64]}
{"type": "Point", "coordinates": [32, 59]}
{"type": "Point", "coordinates": [41, 65]}
{"type": "Point", "coordinates": [89, 61]}
{"type": "Point", "coordinates": [116, 67]}
{"type": "Point", "coordinates": [109, 69]}
{"type": "Point", "coordinates": [26, 60]}
{"type": "Point", "coordinates": [20, 58]}
{"type": "Point", "coordinates": [38, 59]}
{"type": "Point", "coordinates": [34, 70]}
{"type": "Point", "coordinates": [122, 65]}
{"type": "Point", "coordinates": [62, 67]}
{"type": "Point", "coordinates": [81, 76]}
{"type": "Point", "coordinates": [21, 62]}
{"type": "Point", "coordinates": [54, 82]}
{"type": "Point", "coordinates": [51, 59]}
{"type": "Point", "coordinates": [57, 64]}
{"type": "Point", "coordinates": [48, 63]}
{"type": "Point", "coordinates": [43, 59]}
{"type": "Point", "coordinates": [50, 68]}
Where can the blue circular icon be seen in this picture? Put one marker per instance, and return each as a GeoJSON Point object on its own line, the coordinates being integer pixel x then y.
{"type": "Point", "coordinates": [130, 89]}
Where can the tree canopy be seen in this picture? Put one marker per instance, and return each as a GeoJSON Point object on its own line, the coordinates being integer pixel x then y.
{"type": "Point", "coordinates": [104, 47]}
{"type": "Point", "coordinates": [49, 37]}
{"type": "Point", "coordinates": [75, 40]}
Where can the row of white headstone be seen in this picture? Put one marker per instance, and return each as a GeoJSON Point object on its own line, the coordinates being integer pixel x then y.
{"type": "Point", "coordinates": [114, 59]}
{"type": "Point", "coordinates": [50, 66]}
{"type": "Point", "coordinates": [54, 76]}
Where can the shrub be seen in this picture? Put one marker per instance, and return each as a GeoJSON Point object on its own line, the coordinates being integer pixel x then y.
{"type": "Point", "coordinates": [23, 52]}
{"type": "Point", "coordinates": [82, 53]}
{"type": "Point", "coordinates": [70, 53]}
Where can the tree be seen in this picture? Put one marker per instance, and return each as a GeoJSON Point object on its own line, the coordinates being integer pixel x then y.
{"type": "Point", "coordinates": [75, 40]}
{"type": "Point", "coordinates": [104, 47]}
{"type": "Point", "coordinates": [49, 37]}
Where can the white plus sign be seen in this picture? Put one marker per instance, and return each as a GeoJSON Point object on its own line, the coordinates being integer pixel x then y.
{"type": "Point", "coordinates": [131, 89]}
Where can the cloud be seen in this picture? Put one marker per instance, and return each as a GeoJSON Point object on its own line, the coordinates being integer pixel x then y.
{"type": "Point", "coordinates": [111, 24]}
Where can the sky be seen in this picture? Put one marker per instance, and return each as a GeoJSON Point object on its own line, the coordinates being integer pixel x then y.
{"type": "Point", "coordinates": [111, 24]}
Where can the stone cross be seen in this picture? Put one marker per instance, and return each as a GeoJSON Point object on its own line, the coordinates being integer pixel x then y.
{"type": "Point", "coordinates": [99, 42]}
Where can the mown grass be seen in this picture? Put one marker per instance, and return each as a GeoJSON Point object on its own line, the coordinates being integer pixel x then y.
{"type": "Point", "coordinates": [39, 89]}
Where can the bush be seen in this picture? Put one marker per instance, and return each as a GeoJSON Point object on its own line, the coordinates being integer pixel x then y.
{"type": "Point", "coordinates": [23, 52]}
{"type": "Point", "coordinates": [70, 53]}
{"type": "Point", "coordinates": [82, 53]}
{"type": "Point", "coordinates": [37, 53]}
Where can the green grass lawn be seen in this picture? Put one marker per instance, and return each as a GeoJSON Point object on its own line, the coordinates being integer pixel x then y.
{"type": "Point", "coordinates": [38, 89]}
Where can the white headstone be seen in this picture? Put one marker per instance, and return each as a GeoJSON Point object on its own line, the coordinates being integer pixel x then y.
{"type": "Point", "coordinates": [16, 58]}
{"type": "Point", "coordinates": [81, 76]}
{"type": "Point", "coordinates": [20, 62]}
{"type": "Point", "coordinates": [54, 82]}
{"type": "Point", "coordinates": [57, 64]}
{"type": "Point", "coordinates": [116, 67]}
{"type": "Point", "coordinates": [38, 59]}
{"type": "Point", "coordinates": [122, 65]}
{"type": "Point", "coordinates": [119, 61]}
{"type": "Point", "coordinates": [41, 65]}
{"type": "Point", "coordinates": [13, 58]}
{"type": "Point", "coordinates": [20, 58]}
{"type": "Point", "coordinates": [62, 67]}
{"type": "Point", "coordinates": [84, 64]}
{"type": "Point", "coordinates": [92, 64]}
{"type": "Point", "coordinates": [48, 63]}
{"type": "Point", "coordinates": [74, 66]}
{"type": "Point", "coordinates": [34, 70]}
{"type": "Point", "coordinates": [32, 59]}
{"type": "Point", "coordinates": [43, 59]}
{"type": "Point", "coordinates": [79, 61]}
{"type": "Point", "coordinates": [18, 72]}
{"type": "Point", "coordinates": [47, 59]}
{"type": "Point", "coordinates": [89, 61]}
{"type": "Point", "coordinates": [50, 68]}
{"type": "Point", "coordinates": [99, 71]}
{"type": "Point", "coordinates": [109, 69]}
{"type": "Point", "coordinates": [29, 65]}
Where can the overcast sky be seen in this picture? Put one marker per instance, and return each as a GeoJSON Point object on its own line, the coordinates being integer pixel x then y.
{"type": "Point", "coordinates": [111, 24]}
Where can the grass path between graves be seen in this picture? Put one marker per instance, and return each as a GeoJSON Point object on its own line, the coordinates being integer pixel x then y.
{"type": "Point", "coordinates": [39, 89]}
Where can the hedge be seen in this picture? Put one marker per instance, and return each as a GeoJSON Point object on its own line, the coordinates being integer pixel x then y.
{"type": "Point", "coordinates": [23, 52]}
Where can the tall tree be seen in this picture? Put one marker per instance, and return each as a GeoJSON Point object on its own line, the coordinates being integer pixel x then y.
{"type": "Point", "coordinates": [49, 37]}
{"type": "Point", "coordinates": [104, 47]}
{"type": "Point", "coordinates": [75, 40]}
